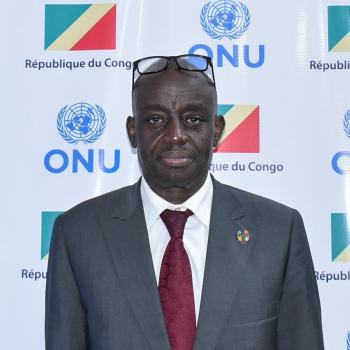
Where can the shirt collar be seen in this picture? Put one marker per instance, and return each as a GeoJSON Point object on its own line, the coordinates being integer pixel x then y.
{"type": "Point", "coordinates": [200, 203]}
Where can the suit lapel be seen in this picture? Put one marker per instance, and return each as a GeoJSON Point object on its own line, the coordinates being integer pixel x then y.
{"type": "Point", "coordinates": [225, 267]}
{"type": "Point", "coordinates": [126, 236]}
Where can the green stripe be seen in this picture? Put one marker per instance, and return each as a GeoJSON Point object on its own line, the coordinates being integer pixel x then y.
{"type": "Point", "coordinates": [338, 24]}
{"type": "Point", "coordinates": [223, 109]}
{"type": "Point", "coordinates": [340, 234]}
{"type": "Point", "coordinates": [58, 18]}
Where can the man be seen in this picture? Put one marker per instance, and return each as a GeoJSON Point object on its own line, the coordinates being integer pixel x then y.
{"type": "Point", "coordinates": [237, 274]}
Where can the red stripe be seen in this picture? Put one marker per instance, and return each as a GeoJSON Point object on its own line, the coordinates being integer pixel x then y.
{"type": "Point", "coordinates": [102, 36]}
{"type": "Point", "coordinates": [245, 138]}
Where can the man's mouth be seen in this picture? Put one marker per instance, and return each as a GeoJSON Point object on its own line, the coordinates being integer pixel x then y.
{"type": "Point", "coordinates": [175, 159]}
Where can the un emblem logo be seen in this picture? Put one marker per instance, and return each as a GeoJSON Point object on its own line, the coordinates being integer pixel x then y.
{"type": "Point", "coordinates": [81, 122]}
{"type": "Point", "coordinates": [225, 18]}
{"type": "Point", "coordinates": [346, 123]}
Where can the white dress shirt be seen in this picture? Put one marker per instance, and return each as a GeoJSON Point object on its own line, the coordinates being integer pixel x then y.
{"type": "Point", "coordinates": [196, 231]}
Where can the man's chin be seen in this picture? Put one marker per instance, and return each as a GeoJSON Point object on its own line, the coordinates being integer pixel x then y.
{"type": "Point", "coordinates": [179, 178]}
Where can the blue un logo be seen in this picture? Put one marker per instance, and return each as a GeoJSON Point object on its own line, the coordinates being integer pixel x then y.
{"type": "Point", "coordinates": [81, 122]}
{"type": "Point", "coordinates": [225, 18]}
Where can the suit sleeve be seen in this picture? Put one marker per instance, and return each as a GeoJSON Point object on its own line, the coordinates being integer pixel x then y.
{"type": "Point", "coordinates": [65, 317]}
{"type": "Point", "coordinates": [299, 321]}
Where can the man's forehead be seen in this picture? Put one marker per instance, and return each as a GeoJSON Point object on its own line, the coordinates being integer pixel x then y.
{"type": "Point", "coordinates": [173, 89]}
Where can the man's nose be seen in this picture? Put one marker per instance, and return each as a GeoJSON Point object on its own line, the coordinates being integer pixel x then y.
{"type": "Point", "coordinates": [176, 132]}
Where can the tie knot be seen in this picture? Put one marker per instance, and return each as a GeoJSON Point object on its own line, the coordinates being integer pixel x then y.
{"type": "Point", "coordinates": [175, 221]}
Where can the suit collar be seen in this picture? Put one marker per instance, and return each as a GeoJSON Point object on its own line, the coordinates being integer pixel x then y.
{"type": "Point", "coordinates": [225, 199]}
{"type": "Point", "coordinates": [127, 241]}
{"type": "Point", "coordinates": [127, 202]}
{"type": "Point", "coordinates": [226, 262]}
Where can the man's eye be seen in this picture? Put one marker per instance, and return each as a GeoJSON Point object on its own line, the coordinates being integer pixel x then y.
{"type": "Point", "coordinates": [194, 120]}
{"type": "Point", "coordinates": [155, 120]}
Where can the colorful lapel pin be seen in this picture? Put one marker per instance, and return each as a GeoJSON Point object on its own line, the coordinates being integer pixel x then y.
{"type": "Point", "coordinates": [242, 236]}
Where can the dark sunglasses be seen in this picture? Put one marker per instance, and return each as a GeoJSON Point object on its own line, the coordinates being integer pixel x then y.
{"type": "Point", "coordinates": [189, 62]}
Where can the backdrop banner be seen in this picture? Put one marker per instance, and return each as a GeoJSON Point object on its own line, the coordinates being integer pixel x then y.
{"type": "Point", "coordinates": [282, 72]}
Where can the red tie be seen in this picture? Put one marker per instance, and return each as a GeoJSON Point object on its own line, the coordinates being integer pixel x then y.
{"type": "Point", "coordinates": [175, 284]}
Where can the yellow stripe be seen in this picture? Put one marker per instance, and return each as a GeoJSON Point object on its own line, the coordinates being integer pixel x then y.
{"type": "Point", "coordinates": [80, 27]}
{"type": "Point", "coordinates": [343, 45]}
{"type": "Point", "coordinates": [344, 256]}
{"type": "Point", "coordinates": [235, 116]}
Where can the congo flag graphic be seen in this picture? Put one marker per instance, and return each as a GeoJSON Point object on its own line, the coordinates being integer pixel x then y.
{"type": "Point", "coordinates": [80, 27]}
{"type": "Point", "coordinates": [340, 237]}
{"type": "Point", "coordinates": [241, 134]}
{"type": "Point", "coordinates": [47, 220]}
{"type": "Point", "coordinates": [339, 28]}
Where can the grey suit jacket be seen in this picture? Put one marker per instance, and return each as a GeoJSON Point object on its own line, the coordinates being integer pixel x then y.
{"type": "Point", "coordinates": [102, 292]}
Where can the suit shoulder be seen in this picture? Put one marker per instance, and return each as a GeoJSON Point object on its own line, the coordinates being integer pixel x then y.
{"type": "Point", "coordinates": [263, 205]}
{"type": "Point", "coordinates": [104, 203]}
{"type": "Point", "coordinates": [276, 220]}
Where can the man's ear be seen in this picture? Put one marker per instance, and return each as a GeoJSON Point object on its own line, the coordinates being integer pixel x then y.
{"type": "Point", "coordinates": [131, 129]}
{"type": "Point", "coordinates": [219, 129]}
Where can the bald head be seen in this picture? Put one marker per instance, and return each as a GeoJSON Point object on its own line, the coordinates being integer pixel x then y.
{"type": "Point", "coordinates": [175, 77]}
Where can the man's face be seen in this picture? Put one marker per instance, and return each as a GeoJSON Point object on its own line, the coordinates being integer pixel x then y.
{"type": "Point", "coordinates": [174, 128]}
